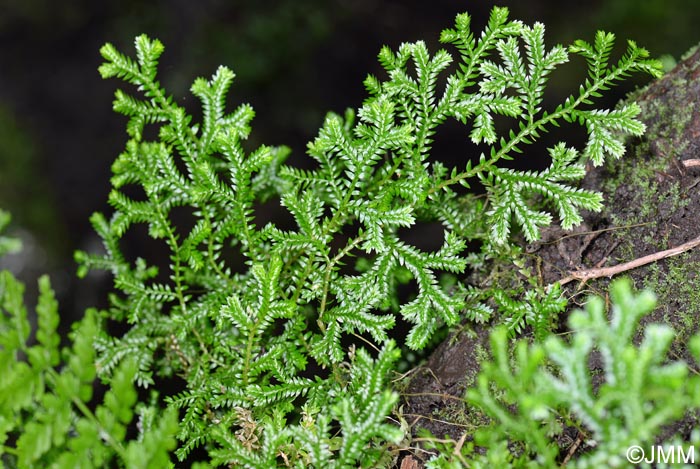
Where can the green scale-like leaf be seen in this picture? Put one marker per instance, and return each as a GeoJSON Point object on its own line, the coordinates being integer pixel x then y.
{"type": "Point", "coordinates": [255, 317]}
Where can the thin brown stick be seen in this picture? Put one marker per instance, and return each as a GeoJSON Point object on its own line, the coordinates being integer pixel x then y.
{"type": "Point", "coordinates": [460, 443]}
{"type": "Point", "coordinates": [433, 419]}
{"type": "Point", "coordinates": [691, 162]}
{"type": "Point", "coordinates": [572, 449]}
{"type": "Point", "coordinates": [585, 275]}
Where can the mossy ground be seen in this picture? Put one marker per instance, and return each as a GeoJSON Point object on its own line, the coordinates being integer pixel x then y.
{"type": "Point", "coordinates": [654, 194]}
{"type": "Point", "coordinates": [652, 204]}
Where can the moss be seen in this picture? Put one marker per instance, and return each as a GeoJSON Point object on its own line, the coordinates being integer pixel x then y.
{"type": "Point", "coordinates": [460, 414]}
{"type": "Point", "coordinates": [690, 52]}
{"type": "Point", "coordinates": [647, 185]}
{"type": "Point", "coordinates": [657, 153]}
{"type": "Point", "coordinates": [675, 285]}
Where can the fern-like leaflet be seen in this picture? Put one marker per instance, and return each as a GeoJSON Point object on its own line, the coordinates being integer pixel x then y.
{"type": "Point", "coordinates": [259, 333]}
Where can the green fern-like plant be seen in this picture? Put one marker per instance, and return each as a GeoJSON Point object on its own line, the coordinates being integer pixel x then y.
{"type": "Point", "coordinates": [281, 338]}
{"type": "Point", "coordinates": [48, 414]}
{"type": "Point", "coordinates": [258, 336]}
{"type": "Point", "coordinates": [530, 392]}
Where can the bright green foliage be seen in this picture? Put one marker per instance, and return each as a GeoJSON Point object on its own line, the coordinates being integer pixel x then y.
{"type": "Point", "coordinates": [46, 396]}
{"type": "Point", "coordinates": [538, 308]}
{"type": "Point", "coordinates": [7, 244]}
{"type": "Point", "coordinates": [280, 337]}
{"type": "Point", "coordinates": [256, 320]}
{"type": "Point", "coordinates": [530, 392]}
{"type": "Point", "coordinates": [360, 410]}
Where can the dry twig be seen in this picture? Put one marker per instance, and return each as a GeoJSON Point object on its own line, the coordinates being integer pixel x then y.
{"type": "Point", "coordinates": [589, 274]}
{"type": "Point", "coordinates": [691, 162]}
{"type": "Point", "coordinates": [572, 449]}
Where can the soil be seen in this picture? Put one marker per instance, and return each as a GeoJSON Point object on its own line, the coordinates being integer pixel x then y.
{"type": "Point", "coordinates": [652, 198]}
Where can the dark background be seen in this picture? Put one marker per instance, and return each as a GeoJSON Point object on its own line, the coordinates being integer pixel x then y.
{"type": "Point", "coordinates": [295, 60]}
